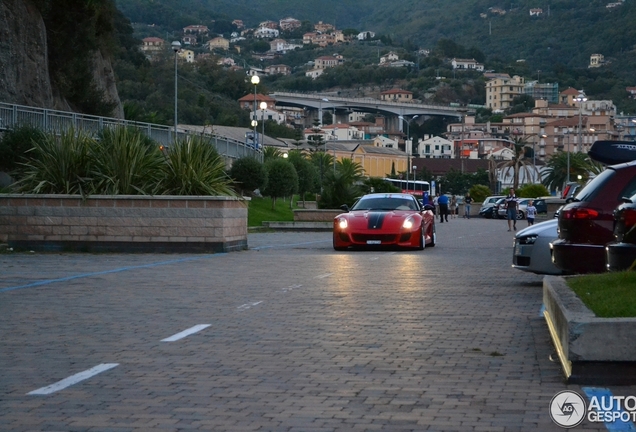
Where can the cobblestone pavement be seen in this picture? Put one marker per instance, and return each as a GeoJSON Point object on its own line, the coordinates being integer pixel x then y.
{"type": "Point", "coordinates": [300, 338]}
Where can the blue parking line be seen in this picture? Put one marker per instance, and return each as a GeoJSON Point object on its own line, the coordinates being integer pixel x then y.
{"type": "Point", "coordinates": [85, 275]}
{"type": "Point", "coordinates": [600, 393]}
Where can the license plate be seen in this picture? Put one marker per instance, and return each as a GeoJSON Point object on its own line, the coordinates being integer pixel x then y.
{"type": "Point", "coordinates": [374, 241]}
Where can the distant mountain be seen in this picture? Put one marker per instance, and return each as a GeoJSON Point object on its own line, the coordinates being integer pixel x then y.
{"type": "Point", "coordinates": [566, 32]}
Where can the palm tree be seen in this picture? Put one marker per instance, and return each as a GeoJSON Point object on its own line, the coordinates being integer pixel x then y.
{"type": "Point", "coordinates": [271, 153]}
{"type": "Point", "coordinates": [518, 163]}
{"type": "Point", "coordinates": [555, 173]}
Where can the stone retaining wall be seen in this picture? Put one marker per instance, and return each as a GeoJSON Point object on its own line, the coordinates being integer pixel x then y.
{"type": "Point", "coordinates": [123, 223]}
{"type": "Point", "coordinates": [592, 350]}
{"type": "Point", "coordinates": [318, 215]}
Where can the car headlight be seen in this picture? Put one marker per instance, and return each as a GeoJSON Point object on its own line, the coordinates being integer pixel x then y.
{"type": "Point", "coordinates": [342, 223]}
{"type": "Point", "coordinates": [408, 223]}
{"type": "Point", "coordinates": [528, 239]}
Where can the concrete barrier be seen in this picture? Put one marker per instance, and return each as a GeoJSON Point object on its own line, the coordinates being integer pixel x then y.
{"type": "Point", "coordinates": [592, 350]}
{"type": "Point", "coordinates": [317, 215]}
{"type": "Point", "coordinates": [123, 223]}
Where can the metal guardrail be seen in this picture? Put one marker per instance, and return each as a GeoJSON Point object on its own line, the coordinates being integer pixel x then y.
{"type": "Point", "coordinates": [13, 116]}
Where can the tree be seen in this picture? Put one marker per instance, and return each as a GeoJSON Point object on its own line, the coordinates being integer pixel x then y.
{"type": "Point", "coordinates": [555, 173]}
{"type": "Point", "coordinates": [518, 163]}
{"type": "Point", "coordinates": [307, 173]}
{"type": "Point", "coordinates": [479, 192]}
{"type": "Point", "coordinates": [378, 185]}
{"type": "Point", "coordinates": [249, 174]}
{"type": "Point", "coordinates": [271, 153]}
{"type": "Point", "coordinates": [282, 179]}
{"type": "Point", "coordinates": [341, 184]}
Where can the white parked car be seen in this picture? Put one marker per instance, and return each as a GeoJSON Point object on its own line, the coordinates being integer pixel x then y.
{"type": "Point", "coordinates": [531, 251]}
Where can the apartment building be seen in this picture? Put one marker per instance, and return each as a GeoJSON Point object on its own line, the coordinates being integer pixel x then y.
{"type": "Point", "coordinates": [502, 90]}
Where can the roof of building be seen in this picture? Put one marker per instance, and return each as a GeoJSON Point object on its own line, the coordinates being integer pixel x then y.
{"type": "Point", "coordinates": [259, 98]}
{"type": "Point", "coordinates": [152, 39]}
{"type": "Point", "coordinates": [570, 91]}
{"type": "Point", "coordinates": [396, 91]}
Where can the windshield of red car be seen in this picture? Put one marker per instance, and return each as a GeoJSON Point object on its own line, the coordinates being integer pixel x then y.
{"type": "Point", "coordinates": [385, 203]}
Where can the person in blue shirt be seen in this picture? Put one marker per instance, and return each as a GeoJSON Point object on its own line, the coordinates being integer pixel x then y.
{"type": "Point", "coordinates": [443, 208]}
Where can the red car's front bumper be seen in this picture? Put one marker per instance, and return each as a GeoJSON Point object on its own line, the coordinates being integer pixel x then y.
{"type": "Point", "coordinates": [368, 238]}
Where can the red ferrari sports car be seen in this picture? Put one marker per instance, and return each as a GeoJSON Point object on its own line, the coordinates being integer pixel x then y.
{"type": "Point", "coordinates": [385, 220]}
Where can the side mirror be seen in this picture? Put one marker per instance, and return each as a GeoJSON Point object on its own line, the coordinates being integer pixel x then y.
{"type": "Point", "coordinates": [430, 207]}
{"type": "Point", "coordinates": [569, 200]}
{"type": "Point", "coordinates": [345, 208]}
{"type": "Point", "coordinates": [626, 200]}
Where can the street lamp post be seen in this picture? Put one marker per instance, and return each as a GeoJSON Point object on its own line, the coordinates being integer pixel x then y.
{"type": "Point", "coordinates": [580, 99]}
{"type": "Point", "coordinates": [407, 146]}
{"type": "Point", "coordinates": [567, 175]}
{"type": "Point", "coordinates": [263, 108]}
{"type": "Point", "coordinates": [176, 47]}
{"type": "Point", "coordinates": [255, 80]}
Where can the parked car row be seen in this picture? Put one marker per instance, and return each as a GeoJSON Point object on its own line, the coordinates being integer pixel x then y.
{"type": "Point", "coordinates": [494, 207]}
{"type": "Point", "coordinates": [594, 232]}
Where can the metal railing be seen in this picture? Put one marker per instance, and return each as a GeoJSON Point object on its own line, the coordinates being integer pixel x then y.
{"type": "Point", "coordinates": [13, 116]}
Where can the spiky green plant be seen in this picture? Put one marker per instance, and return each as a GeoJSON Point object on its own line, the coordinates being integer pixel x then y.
{"type": "Point", "coordinates": [59, 164]}
{"type": "Point", "coordinates": [127, 162]}
{"type": "Point", "coordinates": [195, 168]}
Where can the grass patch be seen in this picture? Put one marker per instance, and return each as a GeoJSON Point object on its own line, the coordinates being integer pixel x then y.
{"type": "Point", "coordinates": [608, 295]}
{"type": "Point", "coordinates": [260, 209]}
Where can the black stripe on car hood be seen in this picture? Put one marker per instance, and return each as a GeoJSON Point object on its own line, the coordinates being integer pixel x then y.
{"type": "Point", "coordinates": [375, 220]}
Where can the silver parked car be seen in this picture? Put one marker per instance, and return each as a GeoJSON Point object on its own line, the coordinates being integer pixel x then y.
{"type": "Point", "coordinates": [531, 250]}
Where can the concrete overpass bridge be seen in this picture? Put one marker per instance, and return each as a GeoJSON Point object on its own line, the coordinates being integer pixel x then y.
{"type": "Point", "coordinates": [343, 106]}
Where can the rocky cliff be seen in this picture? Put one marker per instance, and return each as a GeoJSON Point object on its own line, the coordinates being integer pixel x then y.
{"type": "Point", "coordinates": [24, 72]}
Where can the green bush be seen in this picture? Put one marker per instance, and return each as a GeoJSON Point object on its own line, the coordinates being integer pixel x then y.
{"type": "Point", "coordinates": [127, 162]}
{"type": "Point", "coordinates": [194, 167]}
{"type": "Point", "coordinates": [122, 161]}
{"type": "Point", "coordinates": [532, 191]}
{"type": "Point", "coordinates": [15, 144]}
{"type": "Point", "coordinates": [248, 174]}
{"type": "Point", "coordinates": [61, 164]}
{"type": "Point", "coordinates": [480, 192]}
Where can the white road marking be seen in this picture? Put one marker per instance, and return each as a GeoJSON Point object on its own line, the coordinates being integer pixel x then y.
{"type": "Point", "coordinates": [291, 287]}
{"type": "Point", "coordinates": [322, 276]}
{"type": "Point", "coordinates": [373, 259]}
{"type": "Point", "coordinates": [247, 306]}
{"type": "Point", "coordinates": [73, 379]}
{"type": "Point", "coordinates": [188, 332]}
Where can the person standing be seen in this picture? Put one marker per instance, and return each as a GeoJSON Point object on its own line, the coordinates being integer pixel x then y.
{"type": "Point", "coordinates": [436, 203]}
{"type": "Point", "coordinates": [511, 202]}
{"type": "Point", "coordinates": [467, 202]}
{"type": "Point", "coordinates": [443, 208]}
{"type": "Point", "coordinates": [453, 207]}
{"type": "Point", "coordinates": [531, 212]}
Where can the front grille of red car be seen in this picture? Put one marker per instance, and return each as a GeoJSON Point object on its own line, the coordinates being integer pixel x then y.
{"type": "Point", "coordinates": [363, 238]}
{"type": "Point", "coordinates": [344, 237]}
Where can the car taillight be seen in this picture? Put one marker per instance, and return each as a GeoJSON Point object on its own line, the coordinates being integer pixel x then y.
{"type": "Point", "coordinates": [629, 217]}
{"type": "Point", "coordinates": [579, 213]}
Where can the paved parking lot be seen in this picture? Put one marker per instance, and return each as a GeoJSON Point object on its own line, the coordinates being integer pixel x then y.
{"type": "Point", "coordinates": [288, 336]}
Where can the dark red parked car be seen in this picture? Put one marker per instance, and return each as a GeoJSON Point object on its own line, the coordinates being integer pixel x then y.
{"type": "Point", "coordinates": [586, 225]}
{"type": "Point", "coordinates": [621, 254]}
